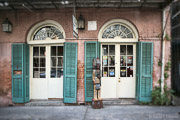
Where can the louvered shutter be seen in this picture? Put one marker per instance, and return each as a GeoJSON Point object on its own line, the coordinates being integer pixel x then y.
{"type": "Point", "coordinates": [144, 71]}
{"type": "Point", "coordinates": [20, 73]}
{"type": "Point", "coordinates": [26, 73]}
{"type": "Point", "coordinates": [91, 51]}
{"type": "Point", "coordinates": [70, 72]}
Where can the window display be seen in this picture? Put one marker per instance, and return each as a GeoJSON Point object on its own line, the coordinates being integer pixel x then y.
{"type": "Point", "coordinates": [108, 61]}
{"type": "Point", "coordinates": [112, 72]}
{"type": "Point", "coordinates": [126, 60]}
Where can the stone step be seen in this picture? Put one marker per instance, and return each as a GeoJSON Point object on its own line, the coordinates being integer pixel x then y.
{"type": "Point", "coordinates": [45, 103]}
{"type": "Point", "coordinates": [119, 102]}
{"type": "Point", "coordinates": [60, 102]}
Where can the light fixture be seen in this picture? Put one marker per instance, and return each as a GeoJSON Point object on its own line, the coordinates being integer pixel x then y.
{"type": "Point", "coordinates": [81, 22]}
{"type": "Point", "coordinates": [64, 2]}
{"type": "Point", "coordinates": [4, 4]}
{"type": "Point", "coordinates": [7, 26]}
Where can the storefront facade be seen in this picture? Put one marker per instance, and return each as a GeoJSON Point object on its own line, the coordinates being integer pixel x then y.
{"type": "Point", "coordinates": [59, 66]}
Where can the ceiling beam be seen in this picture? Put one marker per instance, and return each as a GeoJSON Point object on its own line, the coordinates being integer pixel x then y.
{"type": "Point", "coordinates": [98, 3]}
{"type": "Point", "coordinates": [52, 1]}
{"type": "Point", "coordinates": [120, 3]}
{"type": "Point", "coordinates": [29, 3]}
{"type": "Point", "coordinates": [12, 7]}
{"type": "Point", "coordinates": [74, 7]}
{"type": "Point", "coordinates": [38, 4]}
{"type": "Point", "coordinates": [143, 3]}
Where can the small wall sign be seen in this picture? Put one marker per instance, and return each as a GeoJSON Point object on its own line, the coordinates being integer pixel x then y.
{"type": "Point", "coordinates": [92, 25]}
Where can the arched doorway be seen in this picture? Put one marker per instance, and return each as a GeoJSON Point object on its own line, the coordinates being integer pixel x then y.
{"type": "Point", "coordinates": [118, 59]}
{"type": "Point", "coordinates": [46, 40]}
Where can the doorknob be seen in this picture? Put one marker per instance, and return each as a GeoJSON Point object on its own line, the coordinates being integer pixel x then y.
{"type": "Point", "coordinates": [119, 81]}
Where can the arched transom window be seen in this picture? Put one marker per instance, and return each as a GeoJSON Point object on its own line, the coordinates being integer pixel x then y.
{"type": "Point", "coordinates": [46, 32]}
{"type": "Point", "coordinates": [117, 30]}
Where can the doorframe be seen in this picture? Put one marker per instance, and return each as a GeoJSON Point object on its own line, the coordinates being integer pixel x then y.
{"type": "Point", "coordinates": [134, 59]}
{"type": "Point", "coordinates": [48, 51]}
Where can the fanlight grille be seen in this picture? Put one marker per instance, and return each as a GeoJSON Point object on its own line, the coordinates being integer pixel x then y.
{"type": "Point", "coordinates": [48, 32]}
{"type": "Point", "coordinates": [117, 30]}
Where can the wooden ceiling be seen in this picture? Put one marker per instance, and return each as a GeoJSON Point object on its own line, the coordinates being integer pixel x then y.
{"type": "Point", "coordinates": [44, 4]}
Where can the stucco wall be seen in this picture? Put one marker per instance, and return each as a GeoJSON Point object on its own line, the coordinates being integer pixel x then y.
{"type": "Point", "coordinates": [147, 21]}
{"type": "Point", "coordinates": [5, 74]}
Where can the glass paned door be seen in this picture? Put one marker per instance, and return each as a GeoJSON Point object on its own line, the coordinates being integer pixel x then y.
{"type": "Point", "coordinates": [46, 71]}
{"type": "Point", "coordinates": [109, 70]}
{"type": "Point", "coordinates": [55, 85]}
{"type": "Point", "coordinates": [118, 70]}
{"type": "Point", "coordinates": [126, 67]}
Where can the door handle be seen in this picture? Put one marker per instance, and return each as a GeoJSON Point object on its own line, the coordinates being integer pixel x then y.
{"type": "Point", "coordinates": [119, 81]}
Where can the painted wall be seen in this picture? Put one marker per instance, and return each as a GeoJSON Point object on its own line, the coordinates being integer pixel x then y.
{"type": "Point", "coordinates": [147, 21]}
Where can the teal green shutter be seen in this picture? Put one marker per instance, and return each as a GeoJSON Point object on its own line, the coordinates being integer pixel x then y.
{"type": "Point", "coordinates": [137, 69]}
{"type": "Point", "coordinates": [26, 72]}
{"type": "Point", "coordinates": [144, 71]}
{"type": "Point", "coordinates": [70, 72]}
{"type": "Point", "coordinates": [91, 51]}
{"type": "Point", "coordinates": [20, 82]}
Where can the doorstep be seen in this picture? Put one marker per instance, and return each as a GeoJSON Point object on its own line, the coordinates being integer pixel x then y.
{"type": "Point", "coordinates": [111, 101]}
{"type": "Point", "coordinates": [45, 103]}
{"type": "Point", "coordinates": [120, 101]}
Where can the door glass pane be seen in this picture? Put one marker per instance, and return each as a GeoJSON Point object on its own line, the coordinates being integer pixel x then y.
{"type": "Point", "coordinates": [130, 71]}
{"type": "Point", "coordinates": [111, 60]}
{"type": "Point", "coordinates": [42, 73]}
{"type": "Point", "coordinates": [60, 50]}
{"type": "Point", "coordinates": [105, 49]}
{"type": "Point", "coordinates": [123, 71]}
{"type": "Point", "coordinates": [36, 73]}
{"type": "Point", "coordinates": [111, 71]}
{"type": "Point", "coordinates": [129, 50]}
{"type": "Point", "coordinates": [105, 60]}
{"type": "Point", "coordinates": [53, 72]}
{"type": "Point", "coordinates": [53, 50]}
{"type": "Point", "coordinates": [123, 49]}
{"type": "Point", "coordinates": [42, 62]}
{"type": "Point", "coordinates": [59, 72]}
{"type": "Point", "coordinates": [35, 62]}
{"type": "Point", "coordinates": [42, 51]}
{"type": "Point", "coordinates": [123, 60]}
{"type": "Point", "coordinates": [53, 61]}
{"type": "Point", "coordinates": [35, 51]}
{"type": "Point", "coordinates": [60, 62]}
{"type": "Point", "coordinates": [111, 49]}
{"type": "Point", "coordinates": [105, 72]}
{"type": "Point", "coordinates": [130, 61]}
